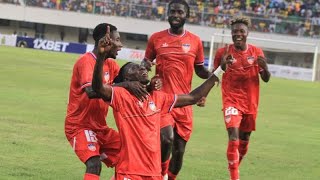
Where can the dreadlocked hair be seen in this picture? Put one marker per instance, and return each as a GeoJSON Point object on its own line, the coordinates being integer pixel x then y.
{"type": "Point", "coordinates": [183, 2]}
{"type": "Point", "coordinates": [120, 77]}
{"type": "Point", "coordinates": [240, 20]}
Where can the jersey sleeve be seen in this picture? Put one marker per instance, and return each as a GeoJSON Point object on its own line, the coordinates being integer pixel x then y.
{"type": "Point", "coordinates": [259, 52]}
{"type": "Point", "coordinates": [168, 102]}
{"type": "Point", "coordinates": [116, 99]}
{"type": "Point", "coordinates": [84, 72]}
{"type": "Point", "coordinates": [217, 58]}
{"type": "Point", "coordinates": [200, 55]}
{"type": "Point", "coordinates": [150, 53]}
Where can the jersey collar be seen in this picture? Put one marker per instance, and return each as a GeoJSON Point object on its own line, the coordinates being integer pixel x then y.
{"type": "Point", "coordinates": [184, 32]}
{"type": "Point", "coordinates": [93, 55]}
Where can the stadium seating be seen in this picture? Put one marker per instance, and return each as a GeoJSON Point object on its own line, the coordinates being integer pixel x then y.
{"type": "Point", "coordinates": [293, 17]}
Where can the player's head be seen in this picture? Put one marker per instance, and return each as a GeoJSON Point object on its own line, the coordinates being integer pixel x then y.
{"type": "Point", "coordinates": [132, 72]}
{"type": "Point", "coordinates": [240, 31]}
{"type": "Point", "coordinates": [178, 13]}
{"type": "Point", "coordinates": [100, 31]}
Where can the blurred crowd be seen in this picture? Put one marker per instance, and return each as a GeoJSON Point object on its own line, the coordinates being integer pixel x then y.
{"type": "Point", "coordinates": [294, 17]}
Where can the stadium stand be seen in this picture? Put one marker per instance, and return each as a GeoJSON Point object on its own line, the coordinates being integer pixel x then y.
{"type": "Point", "coordinates": [293, 17]}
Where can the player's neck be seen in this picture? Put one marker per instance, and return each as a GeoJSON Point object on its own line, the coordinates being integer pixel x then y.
{"type": "Point", "coordinates": [241, 48]}
{"type": "Point", "coordinates": [177, 31]}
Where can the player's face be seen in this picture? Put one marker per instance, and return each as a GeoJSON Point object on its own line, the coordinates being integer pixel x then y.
{"type": "Point", "coordinates": [117, 45]}
{"type": "Point", "coordinates": [177, 15]}
{"type": "Point", "coordinates": [138, 72]}
{"type": "Point", "coordinates": [239, 34]}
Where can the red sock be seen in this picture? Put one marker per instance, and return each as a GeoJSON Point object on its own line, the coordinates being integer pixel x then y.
{"type": "Point", "coordinates": [233, 159]}
{"type": "Point", "coordinates": [89, 176]}
{"type": "Point", "coordinates": [243, 149]}
{"type": "Point", "coordinates": [172, 176]}
{"type": "Point", "coordinates": [164, 167]}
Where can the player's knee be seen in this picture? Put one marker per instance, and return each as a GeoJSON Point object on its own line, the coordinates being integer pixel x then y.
{"type": "Point", "coordinates": [167, 136]}
{"type": "Point", "coordinates": [167, 139]}
{"type": "Point", "coordinates": [93, 165]}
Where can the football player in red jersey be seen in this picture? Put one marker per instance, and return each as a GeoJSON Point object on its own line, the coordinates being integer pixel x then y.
{"type": "Point", "coordinates": [243, 64]}
{"type": "Point", "coordinates": [139, 121]}
{"type": "Point", "coordinates": [178, 54]}
{"type": "Point", "coordinates": [85, 125]}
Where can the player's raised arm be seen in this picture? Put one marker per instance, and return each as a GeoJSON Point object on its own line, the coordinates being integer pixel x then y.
{"type": "Point", "coordinates": [201, 91]}
{"type": "Point", "coordinates": [104, 46]}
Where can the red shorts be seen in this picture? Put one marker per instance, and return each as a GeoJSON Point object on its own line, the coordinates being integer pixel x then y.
{"type": "Point", "coordinates": [235, 118]}
{"type": "Point", "coordinates": [105, 144]}
{"type": "Point", "coordinates": [120, 176]}
{"type": "Point", "coordinates": [181, 119]}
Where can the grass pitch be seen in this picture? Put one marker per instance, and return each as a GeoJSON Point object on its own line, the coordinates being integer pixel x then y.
{"type": "Point", "coordinates": [34, 93]}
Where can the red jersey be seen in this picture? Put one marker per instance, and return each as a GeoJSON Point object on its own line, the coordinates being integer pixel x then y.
{"type": "Point", "coordinates": [82, 112]}
{"type": "Point", "coordinates": [176, 57]}
{"type": "Point", "coordinates": [139, 128]}
{"type": "Point", "coordinates": [240, 82]}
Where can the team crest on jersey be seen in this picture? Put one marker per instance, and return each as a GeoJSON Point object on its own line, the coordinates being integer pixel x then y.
{"type": "Point", "coordinates": [186, 47]}
{"type": "Point", "coordinates": [91, 147]}
{"type": "Point", "coordinates": [250, 59]}
{"type": "Point", "coordinates": [152, 106]}
{"type": "Point", "coordinates": [106, 76]}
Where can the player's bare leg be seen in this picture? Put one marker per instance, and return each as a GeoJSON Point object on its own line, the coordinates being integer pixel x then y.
{"type": "Point", "coordinates": [233, 153]}
{"type": "Point", "coordinates": [93, 170]}
{"type": "Point", "coordinates": [244, 144]}
{"type": "Point", "coordinates": [166, 135]}
{"type": "Point", "coordinates": [178, 149]}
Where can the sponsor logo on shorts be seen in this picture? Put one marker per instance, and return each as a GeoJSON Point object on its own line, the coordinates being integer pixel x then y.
{"type": "Point", "coordinates": [92, 147]}
{"type": "Point", "coordinates": [227, 118]}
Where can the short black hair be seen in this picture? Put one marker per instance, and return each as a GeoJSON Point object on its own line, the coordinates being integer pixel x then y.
{"type": "Point", "coordinates": [100, 30]}
{"type": "Point", "coordinates": [240, 20]}
{"type": "Point", "coordinates": [183, 2]}
{"type": "Point", "coordinates": [120, 77]}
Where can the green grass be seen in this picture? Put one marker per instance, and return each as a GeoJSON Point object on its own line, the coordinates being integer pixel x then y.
{"type": "Point", "coordinates": [34, 93]}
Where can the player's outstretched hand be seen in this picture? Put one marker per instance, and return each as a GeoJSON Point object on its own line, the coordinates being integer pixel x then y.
{"type": "Point", "coordinates": [201, 102]}
{"type": "Point", "coordinates": [137, 89]}
{"type": "Point", "coordinates": [227, 58]}
{"type": "Point", "coordinates": [147, 64]}
{"type": "Point", "coordinates": [262, 63]}
{"type": "Point", "coordinates": [105, 43]}
{"type": "Point", "coordinates": [155, 83]}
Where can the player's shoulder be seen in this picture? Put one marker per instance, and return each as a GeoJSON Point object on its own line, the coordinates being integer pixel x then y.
{"type": "Point", "coordinates": [192, 35]}
{"type": "Point", "coordinates": [159, 34]}
{"type": "Point", "coordinates": [85, 58]}
{"type": "Point", "coordinates": [222, 49]}
{"type": "Point", "coordinates": [253, 47]}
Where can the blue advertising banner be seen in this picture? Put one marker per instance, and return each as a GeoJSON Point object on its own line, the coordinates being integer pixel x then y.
{"type": "Point", "coordinates": [51, 45]}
